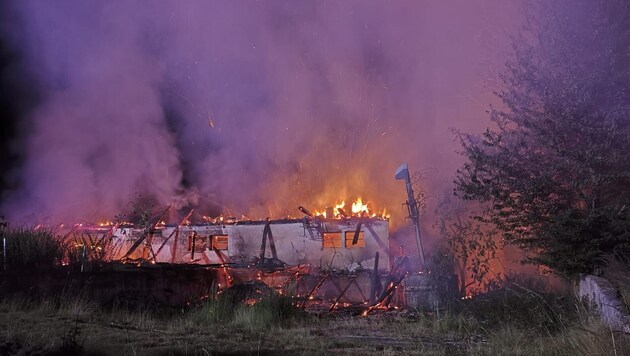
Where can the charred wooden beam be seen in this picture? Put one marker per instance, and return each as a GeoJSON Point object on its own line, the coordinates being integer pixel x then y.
{"type": "Point", "coordinates": [360, 290]}
{"type": "Point", "coordinates": [378, 240]}
{"type": "Point", "coordinates": [310, 225]}
{"type": "Point", "coordinates": [205, 258]}
{"type": "Point", "coordinates": [175, 243]}
{"type": "Point", "coordinates": [268, 235]}
{"type": "Point", "coordinates": [263, 244]}
{"type": "Point", "coordinates": [174, 231]}
{"type": "Point", "coordinates": [355, 238]}
{"type": "Point", "coordinates": [192, 247]}
{"type": "Point", "coordinates": [315, 289]}
{"type": "Point", "coordinates": [399, 271]}
{"type": "Point", "coordinates": [272, 244]}
{"type": "Point", "coordinates": [148, 231]}
{"type": "Point", "coordinates": [305, 211]}
{"type": "Point", "coordinates": [219, 255]}
{"type": "Point", "coordinates": [334, 305]}
{"type": "Point", "coordinates": [375, 290]}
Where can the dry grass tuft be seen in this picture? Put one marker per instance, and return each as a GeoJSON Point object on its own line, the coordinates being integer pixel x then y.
{"type": "Point", "coordinates": [617, 272]}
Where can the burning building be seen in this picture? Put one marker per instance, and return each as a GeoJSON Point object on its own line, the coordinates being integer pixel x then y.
{"type": "Point", "coordinates": [342, 244]}
{"type": "Point", "coordinates": [334, 256]}
{"type": "Point", "coordinates": [329, 258]}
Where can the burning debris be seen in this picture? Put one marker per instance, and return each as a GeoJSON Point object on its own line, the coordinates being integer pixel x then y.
{"type": "Point", "coordinates": [338, 257]}
{"type": "Point", "coordinates": [323, 263]}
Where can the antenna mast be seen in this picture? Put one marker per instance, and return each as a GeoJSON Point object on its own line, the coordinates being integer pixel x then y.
{"type": "Point", "coordinates": [402, 173]}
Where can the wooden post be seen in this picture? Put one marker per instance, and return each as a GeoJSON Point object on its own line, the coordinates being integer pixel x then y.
{"type": "Point", "coordinates": [355, 239]}
{"type": "Point", "coordinates": [174, 249]}
{"type": "Point", "coordinates": [272, 244]}
{"type": "Point", "coordinates": [157, 253]}
{"type": "Point", "coordinates": [376, 281]}
{"type": "Point", "coordinates": [192, 248]}
{"type": "Point", "coordinates": [263, 245]}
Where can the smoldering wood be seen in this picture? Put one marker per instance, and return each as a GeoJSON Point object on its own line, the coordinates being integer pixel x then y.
{"type": "Point", "coordinates": [360, 290]}
{"type": "Point", "coordinates": [310, 225]}
{"type": "Point", "coordinates": [268, 236]}
{"type": "Point", "coordinates": [146, 233]}
{"type": "Point", "coordinates": [375, 289]}
{"type": "Point", "coordinates": [317, 286]}
{"type": "Point", "coordinates": [378, 240]}
{"type": "Point", "coordinates": [343, 292]}
{"type": "Point", "coordinates": [192, 248]}
{"type": "Point", "coordinates": [175, 243]}
{"type": "Point", "coordinates": [399, 271]}
{"type": "Point", "coordinates": [355, 238]}
{"type": "Point", "coordinates": [174, 231]}
{"type": "Point", "coordinates": [272, 244]}
{"type": "Point", "coordinates": [219, 255]}
{"type": "Point", "coordinates": [305, 211]}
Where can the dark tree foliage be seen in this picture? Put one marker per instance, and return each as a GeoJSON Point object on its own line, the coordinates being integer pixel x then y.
{"type": "Point", "coordinates": [555, 170]}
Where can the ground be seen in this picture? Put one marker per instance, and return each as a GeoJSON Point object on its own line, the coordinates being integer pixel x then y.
{"type": "Point", "coordinates": [513, 323]}
{"type": "Point", "coordinates": [36, 331]}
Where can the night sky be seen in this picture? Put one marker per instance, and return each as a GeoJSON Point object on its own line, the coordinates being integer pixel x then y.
{"type": "Point", "coordinates": [18, 94]}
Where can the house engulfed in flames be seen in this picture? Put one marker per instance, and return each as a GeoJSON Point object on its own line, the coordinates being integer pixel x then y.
{"type": "Point", "coordinates": [341, 244]}
{"type": "Point", "coordinates": [330, 256]}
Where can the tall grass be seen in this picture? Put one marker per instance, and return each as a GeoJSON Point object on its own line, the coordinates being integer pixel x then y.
{"type": "Point", "coordinates": [520, 318]}
{"type": "Point", "coordinates": [64, 305]}
{"type": "Point", "coordinates": [617, 272]}
{"type": "Point", "coordinates": [522, 304]}
{"type": "Point", "coordinates": [270, 311]}
{"type": "Point", "coordinates": [586, 335]}
{"type": "Point", "coordinates": [33, 248]}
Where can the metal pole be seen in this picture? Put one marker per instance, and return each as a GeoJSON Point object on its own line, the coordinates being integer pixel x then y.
{"type": "Point", "coordinates": [419, 242]}
{"type": "Point", "coordinates": [402, 173]}
{"type": "Point", "coordinates": [4, 253]}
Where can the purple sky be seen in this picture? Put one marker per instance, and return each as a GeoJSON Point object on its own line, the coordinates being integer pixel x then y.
{"type": "Point", "coordinates": [255, 107]}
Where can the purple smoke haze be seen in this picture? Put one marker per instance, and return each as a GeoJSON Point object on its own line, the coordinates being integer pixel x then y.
{"type": "Point", "coordinates": [248, 107]}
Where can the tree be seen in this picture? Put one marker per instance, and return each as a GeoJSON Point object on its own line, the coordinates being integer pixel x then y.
{"type": "Point", "coordinates": [556, 168]}
{"type": "Point", "coordinates": [468, 243]}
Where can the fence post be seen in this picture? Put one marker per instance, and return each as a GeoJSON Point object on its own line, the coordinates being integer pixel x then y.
{"type": "Point", "coordinates": [82, 256]}
{"type": "Point", "coordinates": [4, 253]}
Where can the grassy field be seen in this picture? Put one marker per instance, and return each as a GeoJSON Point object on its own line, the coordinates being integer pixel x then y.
{"type": "Point", "coordinates": [510, 321]}
{"type": "Point", "coordinates": [514, 318]}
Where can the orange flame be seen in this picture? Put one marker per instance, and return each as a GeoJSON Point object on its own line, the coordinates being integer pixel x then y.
{"type": "Point", "coordinates": [359, 208]}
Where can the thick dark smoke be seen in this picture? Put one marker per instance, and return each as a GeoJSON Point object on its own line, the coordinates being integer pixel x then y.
{"type": "Point", "coordinates": [247, 107]}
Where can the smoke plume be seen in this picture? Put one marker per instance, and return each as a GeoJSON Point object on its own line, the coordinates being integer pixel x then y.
{"type": "Point", "coordinates": [247, 107]}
